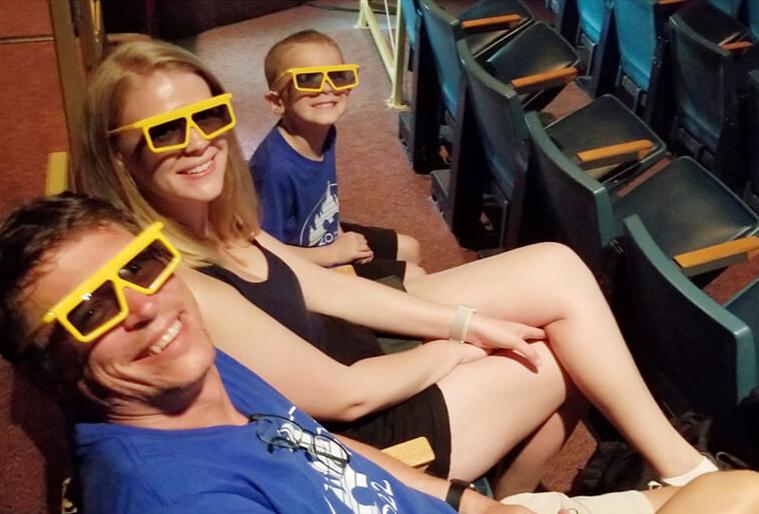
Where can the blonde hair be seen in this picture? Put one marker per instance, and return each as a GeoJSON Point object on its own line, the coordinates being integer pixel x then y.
{"type": "Point", "coordinates": [274, 57]}
{"type": "Point", "coordinates": [233, 216]}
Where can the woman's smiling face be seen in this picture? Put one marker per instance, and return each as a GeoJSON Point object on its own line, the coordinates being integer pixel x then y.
{"type": "Point", "coordinates": [182, 179]}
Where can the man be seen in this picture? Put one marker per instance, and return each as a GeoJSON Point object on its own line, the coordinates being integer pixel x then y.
{"type": "Point", "coordinates": [166, 422]}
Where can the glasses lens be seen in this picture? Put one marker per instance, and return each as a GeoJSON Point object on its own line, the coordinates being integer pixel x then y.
{"type": "Point", "coordinates": [212, 119]}
{"type": "Point", "coordinates": [95, 309]}
{"type": "Point", "coordinates": [342, 78]}
{"type": "Point", "coordinates": [330, 453]}
{"type": "Point", "coordinates": [309, 80]}
{"type": "Point", "coordinates": [146, 267]}
{"type": "Point", "coordinates": [169, 133]}
{"type": "Point", "coordinates": [279, 432]}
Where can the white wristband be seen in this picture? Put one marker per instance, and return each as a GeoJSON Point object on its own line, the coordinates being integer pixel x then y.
{"type": "Point", "coordinates": [460, 324]}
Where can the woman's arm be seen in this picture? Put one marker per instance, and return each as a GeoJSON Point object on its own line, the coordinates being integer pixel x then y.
{"type": "Point", "coordinates": [383, 308]}
{"type": "Point", "coordinates": [316, 383]}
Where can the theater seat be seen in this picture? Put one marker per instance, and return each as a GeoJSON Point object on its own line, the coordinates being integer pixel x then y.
{"type": "Point", "coordinates": [683, 202]}
{"type": "Point", "coordinates": [603, 122]}
{"type": "Point", "coordinates": [596, 45]}
{"type": "Point", "coordinates": [487, 176]}
{"type": "Point", "coordinates": [709, 86]}
{"type": "Point", "coordinates": [640, 28]}
{"type": "Point", "coordinates": [694, 353]}
{"type": "Point", "coordinates": [484, 26]}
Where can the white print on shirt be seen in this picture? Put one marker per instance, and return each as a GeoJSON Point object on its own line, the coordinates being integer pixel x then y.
{"type": "Point", "coordinates": [319, 228]}
{"type": "Point", "coordinates": [351, 492]}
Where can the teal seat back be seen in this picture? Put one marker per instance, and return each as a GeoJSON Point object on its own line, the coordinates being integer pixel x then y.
{"type": "Point", "coordinates": [752, 19]}
{"type": "Point", "coordinates": [411, 18]}
{"type": "Point", "coordinates": [566, 203]}
{"type": "Point", "coordinates": [637, 34]}
{"type": "Point", "coordinates": [502, 131]}
{"type": "Point", "coordinates": [442, 30]}
{"type": "Point", "coordinates": [694, 353]}
{"type": "Point", "coordinates": [592, 13]}
{"type": "Point", "coordinates": [701, 76]}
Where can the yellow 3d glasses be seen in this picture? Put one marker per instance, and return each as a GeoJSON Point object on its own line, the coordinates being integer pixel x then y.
{"type": "Point", "coordinates": [98, 304]}
{"type": "Point", "coordinates": [311, 79]}
{"type": "Point", "coordinates": [170, 131]}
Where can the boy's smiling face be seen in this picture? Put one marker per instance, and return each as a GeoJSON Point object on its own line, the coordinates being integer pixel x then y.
{"type": "Point", "coordinates": [323, 108]}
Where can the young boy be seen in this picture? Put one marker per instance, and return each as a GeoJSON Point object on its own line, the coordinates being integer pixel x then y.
{"type": "Point", "coordinates": [294, 166]}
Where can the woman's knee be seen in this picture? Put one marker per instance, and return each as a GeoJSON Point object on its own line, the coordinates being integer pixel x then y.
{"type": "Point", "coordinates": [558, 257]}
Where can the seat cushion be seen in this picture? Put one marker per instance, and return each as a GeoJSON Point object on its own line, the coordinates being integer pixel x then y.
{"type": "Point", "coordinates": [686, 208]}
{"type": "Point", "coordinates": [603, 122]}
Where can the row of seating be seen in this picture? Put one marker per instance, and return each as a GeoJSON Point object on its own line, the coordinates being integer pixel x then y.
{"type": "Point", "coordinates": [559, 180]}
{"type": "Point", "coordinates": [680, 65]}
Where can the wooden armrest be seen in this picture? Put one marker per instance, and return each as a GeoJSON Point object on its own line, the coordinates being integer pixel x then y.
{"type": "Point", "coordinates": [614, 154]}
{"type": "Point", "coordinates": [737, 46]}
{"type": "Point", "coordinates": [667, 2]}
{"type": "Point", "coordinates": [345, 268]}
{"type": "Point", "coordinates": [545, 80]}
{"type": "Point", "coordinates": [416, 453]}
{"type": "Point", "coordinates": [717, 256]}
{"type": "Point", "coordinates": [57, 176]}
{"type": "Point", "coordinates": [491, 23]}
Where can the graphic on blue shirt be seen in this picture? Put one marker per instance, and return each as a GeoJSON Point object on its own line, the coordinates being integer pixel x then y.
{"type": "Point", "coordinates": [298, 195]}
{"type": "Point", "coordinates": [320, 227]}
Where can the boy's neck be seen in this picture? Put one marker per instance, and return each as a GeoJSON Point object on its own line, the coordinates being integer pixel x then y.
{"type": "Point", "coordinates": [305, 138]}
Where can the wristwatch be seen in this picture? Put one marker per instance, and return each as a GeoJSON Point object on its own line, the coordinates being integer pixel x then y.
{"type": "Point", "coordinates": [456, 491]}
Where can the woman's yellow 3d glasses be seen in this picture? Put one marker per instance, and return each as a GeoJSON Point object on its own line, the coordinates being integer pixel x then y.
{"type": "Point", "coordinates": [311, 79]}
{"type": "Point", "coordinates": [170, 131]}
{"type": "Point", "coordinates": [98, 304]}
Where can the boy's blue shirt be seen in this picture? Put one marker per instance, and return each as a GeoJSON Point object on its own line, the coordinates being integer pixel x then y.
{"type": "Point", "coordinates": [298, 195]}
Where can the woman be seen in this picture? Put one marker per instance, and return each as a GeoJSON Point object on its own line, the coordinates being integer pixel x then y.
{"type": "Point", "coordinates": [159, 143]}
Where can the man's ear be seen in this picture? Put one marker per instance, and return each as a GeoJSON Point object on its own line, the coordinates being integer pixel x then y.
{"type": "Point", "coordinates": [275, 102]}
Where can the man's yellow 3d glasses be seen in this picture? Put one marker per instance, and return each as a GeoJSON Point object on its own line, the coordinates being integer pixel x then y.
{"type": "Point", "coordinates": [98, 304]}
{"type": "Point", "coordinates": [311, 79]}
{"type": "Point", "coordinates": [170, 131]}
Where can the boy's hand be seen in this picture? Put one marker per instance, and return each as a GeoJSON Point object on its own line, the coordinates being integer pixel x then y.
{"type": "Point", "coordinates": [352, 246]}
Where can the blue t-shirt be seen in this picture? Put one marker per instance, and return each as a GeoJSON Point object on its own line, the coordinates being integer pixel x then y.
{"type": "Point", "coordinates": [228, 469]}
{"type": "Point", "coordinates": [298, 195]}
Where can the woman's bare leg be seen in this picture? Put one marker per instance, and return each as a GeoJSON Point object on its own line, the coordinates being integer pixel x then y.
{"type": "Point", "coordinates": [727, 492]}
{"type": "Point", "coordinates": [547, 285]}
{"type": "Point", "coordinates": [525, 467]}
{"type": "Point", "coordinates": [494, 404]}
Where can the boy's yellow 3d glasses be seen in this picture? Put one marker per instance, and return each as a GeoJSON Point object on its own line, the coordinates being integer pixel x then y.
{"type": "Point", "coordinates": [311, 79]}
{"type": "Point", "coordinates": [98, 304]}
{"type": "Point", "coordinates": [170, 131]}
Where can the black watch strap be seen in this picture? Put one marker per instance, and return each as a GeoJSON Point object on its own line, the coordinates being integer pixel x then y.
{"type": "Point", "coordinates": [456, 491]}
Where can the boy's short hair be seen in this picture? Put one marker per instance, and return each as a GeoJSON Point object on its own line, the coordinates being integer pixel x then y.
{"type": "Point", "coordinates": [273, 61]}
{"type": "Point", "coordinates": [27, 237]}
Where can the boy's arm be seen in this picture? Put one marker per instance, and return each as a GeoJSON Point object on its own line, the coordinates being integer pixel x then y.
{"type": "Point", "coordinates": [471, 502]}
{"type": "Point", "coordinates": [347, 248]}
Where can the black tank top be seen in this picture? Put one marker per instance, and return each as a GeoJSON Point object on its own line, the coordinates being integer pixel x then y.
{"type": "Point", "coordinates": [281, 297]}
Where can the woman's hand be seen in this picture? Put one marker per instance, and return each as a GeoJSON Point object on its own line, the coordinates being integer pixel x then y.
{"type": "Point", "coordinates": [491, 334]}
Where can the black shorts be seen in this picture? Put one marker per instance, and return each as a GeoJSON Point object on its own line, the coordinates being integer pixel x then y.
{"type": "Point", "coordinates": [424, 414]}
{"type": "Point", "coordinates": [384, 243]}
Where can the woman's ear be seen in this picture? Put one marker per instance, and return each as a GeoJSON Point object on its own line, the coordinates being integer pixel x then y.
{"type": "Point", "coordinates": [275, 102]}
